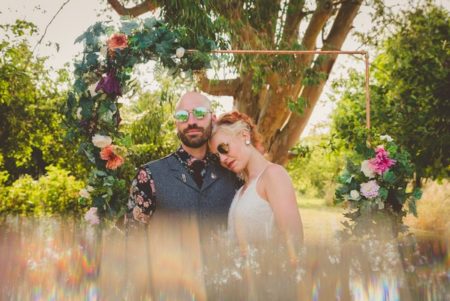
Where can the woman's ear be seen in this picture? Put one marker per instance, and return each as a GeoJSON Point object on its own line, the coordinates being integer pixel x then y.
{"type": "Point", "coordinates": [246, 135]}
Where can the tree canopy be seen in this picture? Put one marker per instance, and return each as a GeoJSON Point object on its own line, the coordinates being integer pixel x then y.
{"type": "Point", "coordinates": [279, 92]}
{"type": "Point", "coordinates": [31, 136]}
{"type": "Point", "coordinates": [410, 93]}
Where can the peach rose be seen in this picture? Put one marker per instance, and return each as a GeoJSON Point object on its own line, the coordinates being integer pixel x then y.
{"type": "Point", "coordinates": [113, 160]}
{"type": "Point", "coordinates": [117, 41]}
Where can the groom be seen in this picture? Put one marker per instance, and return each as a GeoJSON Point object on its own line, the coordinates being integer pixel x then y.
{"type": "Point", "coordinates": [190, 180]}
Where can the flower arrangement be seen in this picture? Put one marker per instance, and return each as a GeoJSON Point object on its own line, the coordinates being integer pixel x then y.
{"type": "Point", "coordinates": [102, 76]}
{"type": "Point", "coordinates": [378, 179]}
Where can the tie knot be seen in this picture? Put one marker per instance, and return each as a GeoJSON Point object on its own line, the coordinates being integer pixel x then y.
{"type": "Point", "coordinates": [198, 165]}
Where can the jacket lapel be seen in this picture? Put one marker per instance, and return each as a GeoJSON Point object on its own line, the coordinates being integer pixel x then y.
{"type": "Point", "coordinates": [212, 174]}
{"type": "Point", "coordinates": [181, 174]}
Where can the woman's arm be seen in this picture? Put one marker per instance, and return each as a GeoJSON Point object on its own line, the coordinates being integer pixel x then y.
{"type": "Point", "coordinates": [280, 194]}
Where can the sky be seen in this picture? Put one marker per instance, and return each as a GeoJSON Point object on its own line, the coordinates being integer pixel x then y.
{"type": "Point", "coordinates": [77, 15]}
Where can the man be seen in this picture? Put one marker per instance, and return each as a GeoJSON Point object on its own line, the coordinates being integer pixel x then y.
{"type": "Point", "coordinates": [190, 180]}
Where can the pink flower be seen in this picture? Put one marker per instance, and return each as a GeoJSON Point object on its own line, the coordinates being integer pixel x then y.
{"type": "Point", "coordinates": [142, 176]}
{"type": "Point", "coordinates": [370, 189]}
{"type": "Point", "coordinates": [140, 200]}
{"type": "Point", "coordinates": [91, 216]}
{"type": "Point", "coordinates": [381, 162]}
{"type": "Point", "coordinates": [108, 154]}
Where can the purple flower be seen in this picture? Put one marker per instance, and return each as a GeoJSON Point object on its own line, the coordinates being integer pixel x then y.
{"type": "Point", "coordinates": [109, 84]}
{"type": "Point", "coordinates": [370, 189]}
{"type": "Point", "coordinates": [381, 162]}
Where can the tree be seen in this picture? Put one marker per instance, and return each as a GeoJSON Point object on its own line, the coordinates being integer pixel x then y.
{"type": "Point", "coordinates": [266, 87]}
{"type": "Point", "coordinates": [31, 136]}
{"type": "Point", "coordinates": [410, 95]}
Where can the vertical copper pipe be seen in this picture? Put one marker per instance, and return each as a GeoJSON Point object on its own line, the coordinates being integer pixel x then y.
{"type": "Point", "coordinates": [366, 58]}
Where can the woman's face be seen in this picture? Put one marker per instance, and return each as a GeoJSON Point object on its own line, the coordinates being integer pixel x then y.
{"type": "Point", "coordinates": [231, 150]}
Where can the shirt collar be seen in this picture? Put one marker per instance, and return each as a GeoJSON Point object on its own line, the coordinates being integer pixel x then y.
{"type": "Point", "coordinates": [187, 159]}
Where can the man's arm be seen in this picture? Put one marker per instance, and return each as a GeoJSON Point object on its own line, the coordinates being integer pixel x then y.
{"type": "Point", "coordinates": [142, 198]}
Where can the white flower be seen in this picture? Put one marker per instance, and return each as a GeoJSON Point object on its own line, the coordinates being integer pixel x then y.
{"type": "Point", "coordinates": [91, 89]}
{"type": "Point", "coordinates": [180, 52]}
{"type": "Point", "coordinates": [79, 116]}
{"type": "Point", "coordinates": [367, 169]}
{"type": "Point", "coordinates": [354, 195]}
{"type": "Point", "coordinates": [101, 141]}
{"type": "Point", "coordinates": [90, 188]}
{"type": "Point", "coordinates": [386, 138]}
{"type": "Point", "coordinates": [370, 189]}
{"type": "Point", "coordinates": [84, 193]}
{"type": "Point", "coordinates": [104, 51]}
{"type": "Point", "coordinates": [92, 217]}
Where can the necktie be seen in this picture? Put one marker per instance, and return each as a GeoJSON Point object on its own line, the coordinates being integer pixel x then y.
{"type": "Point", "coordinates": [197, 168]}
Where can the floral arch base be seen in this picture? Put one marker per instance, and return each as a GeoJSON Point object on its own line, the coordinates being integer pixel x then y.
{"type": "Point", "coordinates": [102, 75]}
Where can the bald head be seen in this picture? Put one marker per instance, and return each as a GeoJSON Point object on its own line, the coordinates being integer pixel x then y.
{"type": "Point", "coordinates": [193, 99]}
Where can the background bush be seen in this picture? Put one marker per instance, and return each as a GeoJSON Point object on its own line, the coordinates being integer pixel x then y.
{"type": "Point", "coordinates": [56, 192]}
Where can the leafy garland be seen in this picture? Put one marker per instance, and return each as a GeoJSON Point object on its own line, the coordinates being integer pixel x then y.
{"type": "Point", "coordinates": [102, 76]}
{"type": "Point", "coordinates": [376, 180]}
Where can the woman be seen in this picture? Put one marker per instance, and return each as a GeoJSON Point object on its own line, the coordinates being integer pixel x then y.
{"type": "Point", "coordinates": [266, 202]}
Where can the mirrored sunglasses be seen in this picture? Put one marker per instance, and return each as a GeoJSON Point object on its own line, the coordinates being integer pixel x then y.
{"type": "Point", "coordinates": [183, 115]}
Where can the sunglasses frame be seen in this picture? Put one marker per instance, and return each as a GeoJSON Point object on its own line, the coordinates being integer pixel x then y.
{"type": "Point", "coordinates": [223, 148]}
{"type": "Point", "coordinates": [206, 112]}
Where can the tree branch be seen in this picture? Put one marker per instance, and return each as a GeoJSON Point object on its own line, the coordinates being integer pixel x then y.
{"type": "Point", "coordinates": [218, 87]}
{"type": "Point", "coordinates": [275, 112]}
{"type": "Point", "coordinates": [140, 9]}
{"type": "Point", "coordinates": [293, 18]}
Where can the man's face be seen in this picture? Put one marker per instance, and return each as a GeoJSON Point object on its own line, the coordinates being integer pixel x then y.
{"type": "Point", "coordinates": [196, 130]}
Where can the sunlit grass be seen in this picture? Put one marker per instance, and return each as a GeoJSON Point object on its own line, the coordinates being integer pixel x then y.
{"type": "Point", "coordinates": [433, 209]}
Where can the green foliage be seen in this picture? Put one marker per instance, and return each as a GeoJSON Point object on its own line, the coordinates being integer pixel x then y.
{"type": "Point", "coordinates": [409, 97]}
{"type": "Point", "coordinates": [30, 122]}
{"type": "Point", "coordinates": [313, 168]}
{"type": "Point", "coordinates": [54, 193]}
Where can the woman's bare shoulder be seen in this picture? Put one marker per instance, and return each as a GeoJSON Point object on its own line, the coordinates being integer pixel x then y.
{"type": "Point", "coordinates": [276, 173]}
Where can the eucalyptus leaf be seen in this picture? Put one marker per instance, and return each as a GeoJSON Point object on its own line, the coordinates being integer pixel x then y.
{"type": "Point", "coordinates": [128, 27]}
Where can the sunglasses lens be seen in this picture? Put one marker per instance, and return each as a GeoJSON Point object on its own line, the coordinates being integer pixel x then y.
{"type": "Point", "coordinates": [223, 148]}
{"type": "Point", "coordinates": [200, 112]}
{"type": "Point", "coordinates": [181, 115]}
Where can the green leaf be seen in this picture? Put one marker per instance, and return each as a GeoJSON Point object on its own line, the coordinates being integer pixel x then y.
{"type": "Point", "coordinates": [149, 23]}
{"type": "Point", "coordinates": [383, 193]}
{"type": "Point", "coordinates": [389, 177]}
{"type": "Point", "coordinates": [87, 106]}
{"type": "Point", "coordinates": [91, 59]}
{"type": "Point", "coordinates": [128, 27]}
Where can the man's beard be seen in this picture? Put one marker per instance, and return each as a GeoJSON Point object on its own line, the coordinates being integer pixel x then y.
{"type": "Point", "coordinates": [198, 141]}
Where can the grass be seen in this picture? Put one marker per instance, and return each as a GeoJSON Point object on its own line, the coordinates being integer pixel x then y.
{"type": "Point", "coordinates": [433, 209]}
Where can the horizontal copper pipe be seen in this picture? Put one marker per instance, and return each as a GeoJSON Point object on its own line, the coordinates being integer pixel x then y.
{"type": "Point", "coordinates": [283, 51]}
{"type": "Point", "coordinates": [293, 52]}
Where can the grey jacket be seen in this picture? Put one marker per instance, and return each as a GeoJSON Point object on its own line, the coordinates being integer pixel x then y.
{"type": "Point", "coordinates": [176, 190]}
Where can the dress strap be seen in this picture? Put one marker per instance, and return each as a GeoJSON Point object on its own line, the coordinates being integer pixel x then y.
{"type": "Point", "coordinates": [258, 176]}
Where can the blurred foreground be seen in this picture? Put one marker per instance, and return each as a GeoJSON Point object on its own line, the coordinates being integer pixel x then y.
{"type": "Point", "coordinates": [178, 259]}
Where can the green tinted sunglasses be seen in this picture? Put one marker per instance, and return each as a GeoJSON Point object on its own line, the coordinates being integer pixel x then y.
{"type": "Point", "coordinates": [183, 115]}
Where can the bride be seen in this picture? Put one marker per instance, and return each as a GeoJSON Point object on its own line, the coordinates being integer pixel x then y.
{"type": "Point", "coordinates": [266, 203]}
